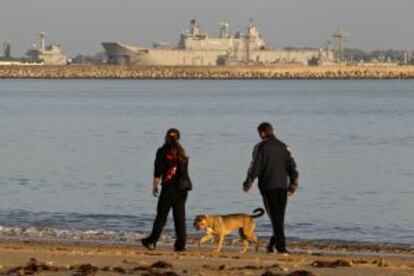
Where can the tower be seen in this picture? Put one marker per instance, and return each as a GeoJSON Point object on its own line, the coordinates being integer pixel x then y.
{"type": "Point", "coordinates": [406, 57]}
{"type": "Point", "coordinates": [7, 49]}
{"type": "Point", "coordinates": [340, 38]}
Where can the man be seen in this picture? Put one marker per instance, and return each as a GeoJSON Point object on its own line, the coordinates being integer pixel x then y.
{"type": "Point", "coordinates": [273, 165]}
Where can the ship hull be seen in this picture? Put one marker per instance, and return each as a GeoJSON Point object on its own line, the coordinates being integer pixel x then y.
{"type": "Point", "coordinates": [175, 57]}
{"type": "Point", "coordinates": [119, 54]}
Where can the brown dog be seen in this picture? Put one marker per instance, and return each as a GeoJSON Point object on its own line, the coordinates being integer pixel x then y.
{"type": "Point", "coordinates": [219, 226]}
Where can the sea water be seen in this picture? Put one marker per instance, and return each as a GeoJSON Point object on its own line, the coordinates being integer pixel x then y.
{"type": "Point", "coordinates": [76, 156]}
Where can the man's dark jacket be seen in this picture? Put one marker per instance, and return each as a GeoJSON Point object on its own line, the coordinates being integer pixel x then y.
{"type": "Point", "coordinates": [273, 164]}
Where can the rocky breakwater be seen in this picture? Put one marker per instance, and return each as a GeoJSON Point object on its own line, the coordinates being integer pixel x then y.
{"type": "Point", "coordinates": [207, 72]}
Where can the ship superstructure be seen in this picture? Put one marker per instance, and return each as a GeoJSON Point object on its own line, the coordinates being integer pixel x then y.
{"type": "Point", "coordinates": [48, 55]}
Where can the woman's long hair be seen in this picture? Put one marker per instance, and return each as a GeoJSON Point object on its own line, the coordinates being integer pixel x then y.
{"type": "Point", "coordinates": [173, 145]}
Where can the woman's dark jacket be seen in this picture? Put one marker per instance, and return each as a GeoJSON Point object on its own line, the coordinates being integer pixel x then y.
{"type": "Point", "coordinates": [171, 169]}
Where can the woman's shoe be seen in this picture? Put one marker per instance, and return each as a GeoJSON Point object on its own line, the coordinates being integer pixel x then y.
{"type": "Point", "coordinates": [270, 249]}
{"type": "Point", "coordinates": [148, 244]}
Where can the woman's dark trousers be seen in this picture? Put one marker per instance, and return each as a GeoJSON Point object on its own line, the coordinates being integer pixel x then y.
{"type": "Point", "coordinates": [171, 197]}
{"type": "Point", "coordinates": [275, 203]}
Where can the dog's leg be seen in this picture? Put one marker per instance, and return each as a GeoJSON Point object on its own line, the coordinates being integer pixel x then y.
{"type": "Point", "coordinates": [235, 241]}
{"type": "Point", "coordinates": [244, 238]}
{"type": "Point", "coordinates": [256, 240]}
{"type": "Point", "coordinates": [245, 246]}
{"type": "Point", "coordinates": [204, 239]}
{"type": "Point", "coordinates": [220, 241]}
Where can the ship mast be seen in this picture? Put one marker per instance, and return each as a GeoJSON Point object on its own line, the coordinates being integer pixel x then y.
{"type": "Point", "coordinates": [249, 37]}
{"type": "Point", "coordinates": [42, 41]}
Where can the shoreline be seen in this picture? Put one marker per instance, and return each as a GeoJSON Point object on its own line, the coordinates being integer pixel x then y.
{"type": "Point", "coordinates": [108, 237]}
{"type": "Point", "coordinates": [314, 246]}
{"type": "Point", "coordinates": [46, 258]}
{"type": "Point", "coordinates": [279, 72]}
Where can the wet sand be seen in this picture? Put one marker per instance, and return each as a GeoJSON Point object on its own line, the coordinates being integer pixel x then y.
{"type": "Point", "coordinates": [58, 258]}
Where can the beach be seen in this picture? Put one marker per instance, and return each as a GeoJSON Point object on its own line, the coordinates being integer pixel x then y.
{"type": "Point", "coordinates": [209, 72]}
{"type": "Point", "coordinates": [57, 258]}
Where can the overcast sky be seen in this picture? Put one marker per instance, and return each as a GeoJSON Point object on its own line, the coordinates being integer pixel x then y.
{"type": "Point", "coordinates": [80, 25]}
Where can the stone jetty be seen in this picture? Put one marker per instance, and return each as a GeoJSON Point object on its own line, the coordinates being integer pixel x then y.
{"type": "Point", "coordinates": [207, 72]}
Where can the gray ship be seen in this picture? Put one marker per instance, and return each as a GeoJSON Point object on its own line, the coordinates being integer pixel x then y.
{"type": "Point", "coordinates": [198, 49]}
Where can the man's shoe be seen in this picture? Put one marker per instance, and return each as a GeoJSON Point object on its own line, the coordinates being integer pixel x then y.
{"type": "Point", "coordinates": [179, 249]}
{"type": "Point", "coordinates": [283, 252]}
{"type": "Point", "coordinates": [148, 244]}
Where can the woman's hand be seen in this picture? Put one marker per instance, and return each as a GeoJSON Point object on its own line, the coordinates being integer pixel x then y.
{"type": "Point", "coordinates": [155, 192]}
{"type": "Point", "coordinates": [155, 187]}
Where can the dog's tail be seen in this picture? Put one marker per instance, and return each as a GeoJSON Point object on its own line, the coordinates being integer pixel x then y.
{"type": "Point", "coordinates": [260, 212]}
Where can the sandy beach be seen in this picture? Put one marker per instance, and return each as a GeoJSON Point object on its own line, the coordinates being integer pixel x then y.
{"type": "Point", "coordinates": [57, 258]}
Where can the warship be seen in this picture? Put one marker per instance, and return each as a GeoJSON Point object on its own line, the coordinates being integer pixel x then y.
{"type": "Point", "coordinates": [46, 54]}
{"type": "Point", "coordinates": [40, 54]}
{"type": "Point", "coordinates": [198, 49]}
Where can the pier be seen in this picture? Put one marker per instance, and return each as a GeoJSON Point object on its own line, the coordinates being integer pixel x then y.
{"type": "Point", "coordinates": [207, 72]}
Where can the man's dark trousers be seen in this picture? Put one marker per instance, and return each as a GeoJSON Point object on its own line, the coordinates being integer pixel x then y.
{"type": "Point", "coordinates": [275, 203]}
{"type": "Point", "coordinates": [171, 197]}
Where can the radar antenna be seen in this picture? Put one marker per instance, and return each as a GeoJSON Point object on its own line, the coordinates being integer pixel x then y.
{"type": "Point", "coordinates": [194, 27]}
{"type": "Point", "coordinates": [251, 20]}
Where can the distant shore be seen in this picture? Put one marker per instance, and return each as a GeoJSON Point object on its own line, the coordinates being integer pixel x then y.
{"type": "Point", "coordinates": [56, 258]}
{"type": "Point", "coordinates": [207, 72]}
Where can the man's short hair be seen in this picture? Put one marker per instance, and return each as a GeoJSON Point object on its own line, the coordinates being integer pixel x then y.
{"type": "Point", "coordinates": [265, 128]}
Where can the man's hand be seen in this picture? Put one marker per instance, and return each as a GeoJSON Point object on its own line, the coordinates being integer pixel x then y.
{"type": "Point", "coordinates": [292, 189]}
{"type": "Point", "coordinates": [247, 184]}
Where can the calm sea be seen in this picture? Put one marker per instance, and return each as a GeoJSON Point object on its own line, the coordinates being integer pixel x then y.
{"type": "Point", "coordinates": [76, 156]}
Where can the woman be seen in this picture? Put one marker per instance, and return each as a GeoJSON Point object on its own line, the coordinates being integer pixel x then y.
{"type": "Point", "coordinates": [171, 168]}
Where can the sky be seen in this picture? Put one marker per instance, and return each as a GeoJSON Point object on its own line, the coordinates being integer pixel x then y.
{"type": "Point", "coordinates": [81, 25]}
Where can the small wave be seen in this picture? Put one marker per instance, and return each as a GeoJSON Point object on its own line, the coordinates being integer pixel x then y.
{"type": "Point", "coordinates": [97, 235]}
